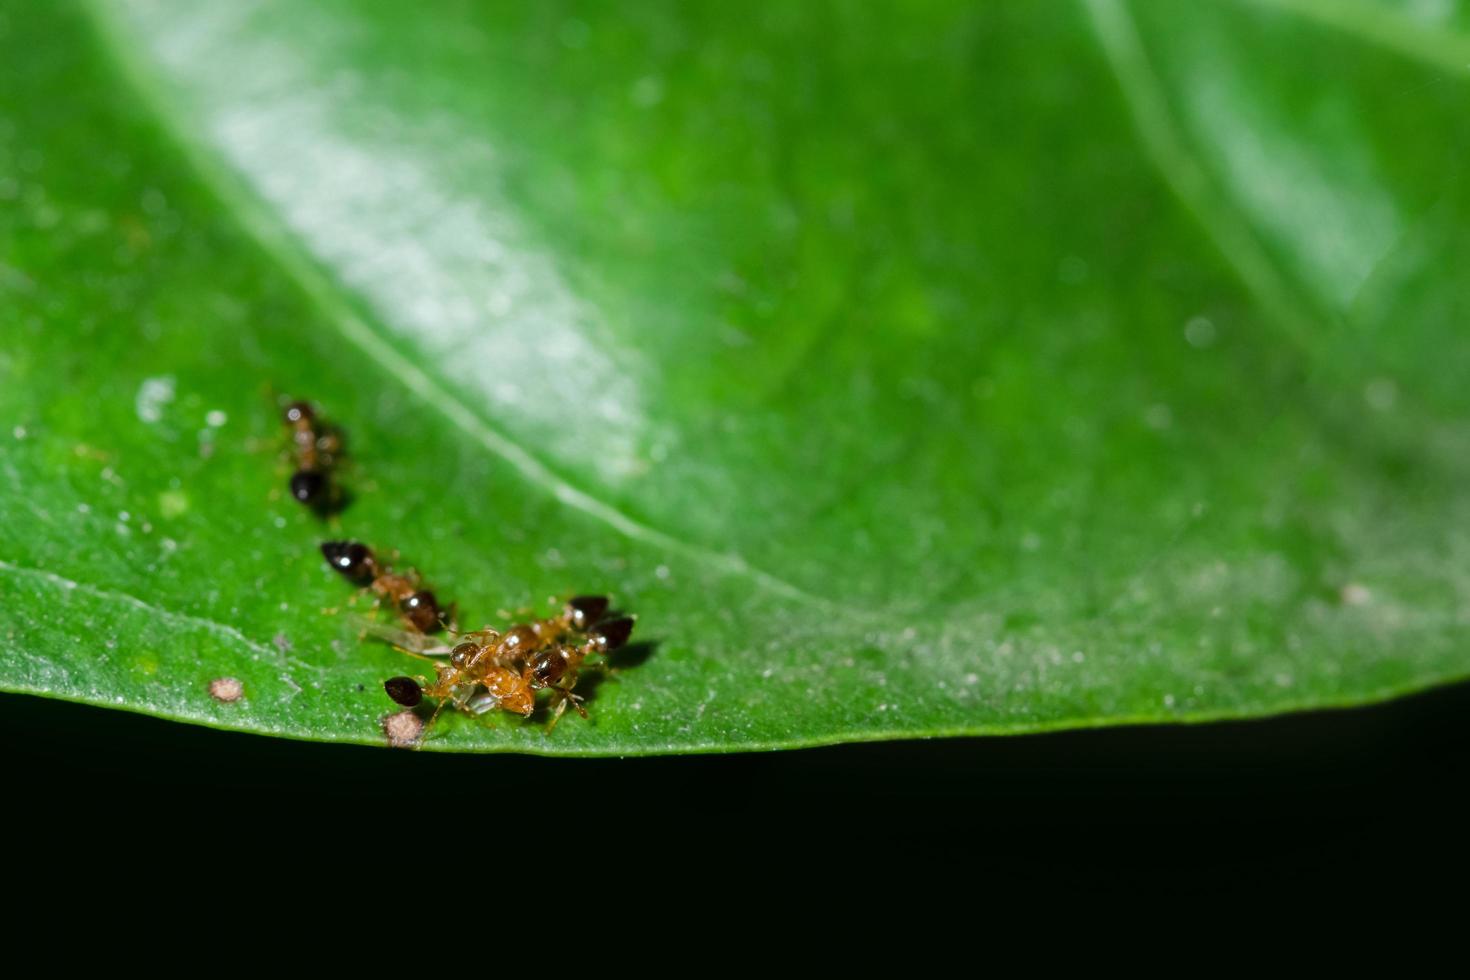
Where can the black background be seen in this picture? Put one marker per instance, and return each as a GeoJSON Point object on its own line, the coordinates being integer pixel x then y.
{"type": "Point", "coordinates": [1243, 801]}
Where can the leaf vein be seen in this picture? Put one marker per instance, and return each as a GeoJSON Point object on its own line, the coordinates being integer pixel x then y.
{"type": "Point", "coordinates": [1165, 145]}
{"type": "Point", "coordinates": [1441, 49]}
{"type": "Point", "coordinates": [153, 609]}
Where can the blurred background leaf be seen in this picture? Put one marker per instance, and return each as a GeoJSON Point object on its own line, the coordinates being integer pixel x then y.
{"type": "Point", "coordinates": [909, 368]}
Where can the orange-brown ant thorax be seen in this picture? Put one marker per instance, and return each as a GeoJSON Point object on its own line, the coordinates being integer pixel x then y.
{"type": "Point", "coordinates": [391, 585]}
{"type": "Point", "coordinates": [510, 690]}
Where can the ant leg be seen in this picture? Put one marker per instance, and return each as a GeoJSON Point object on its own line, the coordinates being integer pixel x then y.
{"type": "Point", "coordinates": [391, 566]}
{"type": "Point", "coordinates": [603, 665]}
{"type": "Point", "coordinates": [563, 698]}
{"type": "Point", "coordinates": [414, 653]}
{"type": "Point", "coordinates": [367, 622]}
{"type": "Point", "coordinates": [561, 706]}
{"type": "Point", "coordinates": [424, 735]}
{"type": "Point", "coordinates": [377, 601]}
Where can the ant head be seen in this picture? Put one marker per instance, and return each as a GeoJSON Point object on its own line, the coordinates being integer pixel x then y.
{"type": "Point", "coordinates": [307, 486]}
{"type": "Point", "coordinates": [404, 690]}
{"type": "Point", "coordinates": [353, 559]}
{"type": "Point", "coordinates": [547, 667]}
{"type": "Point", "coordinates": [611, 634]}
{"type": "Point", "coordinates": [584, 610]}
{"type": "Point", "coordinates": [461, 655]}
{"type": "Point", "coordinates": [299, 412]}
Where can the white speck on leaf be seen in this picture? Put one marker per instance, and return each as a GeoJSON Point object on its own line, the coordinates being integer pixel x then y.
{"type": "Point", "coordinates": [1199, 332]}
{"type": "Point", "coordinates": [153, 395]}
{"type": "Point", "coordinates": [1072, 270]}
{"type": "Point", "coordinates": [1381, 394]}
{"type": "Point", "coordinates": [1158, 417]}
{"type": "Point", "coordinates": [648, 91]}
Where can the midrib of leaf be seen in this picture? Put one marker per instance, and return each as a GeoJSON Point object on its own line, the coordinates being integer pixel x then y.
{"type": "Point", "coordinates": [1374, 24]}
{"type": "Point", "coordinates": [282, 250]}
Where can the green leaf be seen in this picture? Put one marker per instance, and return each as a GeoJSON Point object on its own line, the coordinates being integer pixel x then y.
{"type": "Point", "coordinates": [910, 369]}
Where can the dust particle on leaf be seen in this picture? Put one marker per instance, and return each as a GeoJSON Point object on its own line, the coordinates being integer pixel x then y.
{"type": "Point", "coordinates": [226, 690]}
{"type": "Point", "coordinates": [403, 728]}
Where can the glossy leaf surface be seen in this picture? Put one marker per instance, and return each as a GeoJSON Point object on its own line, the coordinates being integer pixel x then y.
{"type": "Point", "coordinates": [908, 369]}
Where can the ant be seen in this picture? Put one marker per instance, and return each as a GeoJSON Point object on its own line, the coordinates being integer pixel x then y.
{"type": "Point", "coordinates": [491, 669]}
{"type": "Point", "coordinates": [316, 447]}
{"type": "Point", "coordinates": [519, 642]}
{"type": "Point", "coordinates": [417, 606]}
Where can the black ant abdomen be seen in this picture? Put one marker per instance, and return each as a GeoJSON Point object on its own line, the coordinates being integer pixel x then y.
{"type": "Point", "coordinates": [352, 559]}
{"type": "Point", "coordinates": [584, 610]}
{"type": "Point", "coordinates": [308, 486]}
{"type": "Point", "coordinates": [612, 633]}
{"type": "Point", "coordinates": [404, 690]}
{"type": "Point", "coordinates": [422, 611]}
